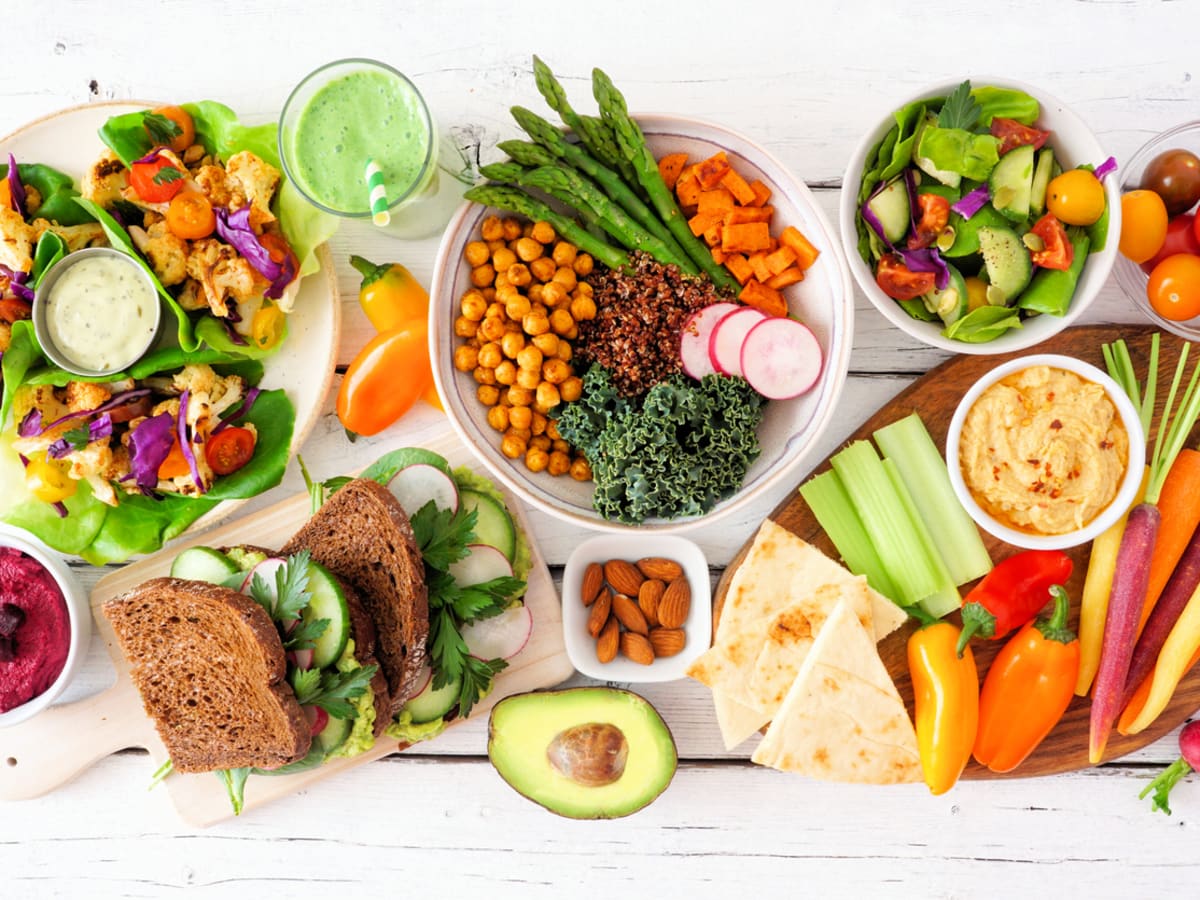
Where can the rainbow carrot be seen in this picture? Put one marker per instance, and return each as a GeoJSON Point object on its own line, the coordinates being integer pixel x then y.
{"type": "Point", "coordinates": [1180, 510]}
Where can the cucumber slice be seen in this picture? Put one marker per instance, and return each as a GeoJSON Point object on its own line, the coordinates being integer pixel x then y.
{"type": "Point", "coordinates": [1006, 261]}
{"type": "Point", "coordinates": [949, 304]}
{"type": "Point", "coordinates": [893, 210]}
{"type": "Point", "coordinates": [328, 602]}
{"type": "Point", "coordinates": [203, 564]}
{"type": "Point", "coordinates": [333, 735]}
{"type": "Point", "coordinates": [432, 704]}
{"type": "Point", "coordinates": [1041, 181]}
{"type": "Point", "coordinates": [493, 524]}
{"type": "Point", "coordinates": [1010, 185]}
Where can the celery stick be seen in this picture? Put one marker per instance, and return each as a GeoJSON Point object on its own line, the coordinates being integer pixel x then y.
{"type": "Point", "coordinates": [945, 598]}
{"type": "Point", "coordinates": [908, 444]}
{"type": "Point", "coordinates": [887, 522]}
{"type": "Point", "coordinates": [830, 504]}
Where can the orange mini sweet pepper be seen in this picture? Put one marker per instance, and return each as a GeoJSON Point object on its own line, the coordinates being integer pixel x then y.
{"type": "Point", "coordinates": [946, 691]}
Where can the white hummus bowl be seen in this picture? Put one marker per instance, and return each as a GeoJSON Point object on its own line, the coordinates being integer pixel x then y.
{"type": "Point", "coordinates": [1126, 494]}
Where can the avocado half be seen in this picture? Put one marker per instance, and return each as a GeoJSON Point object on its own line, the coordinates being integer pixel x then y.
{"type": "Point", "coordinates": [583, 753]}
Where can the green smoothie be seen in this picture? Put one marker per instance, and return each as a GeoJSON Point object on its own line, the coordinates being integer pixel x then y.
{"type": "Point", "coordinates": [365, 113]}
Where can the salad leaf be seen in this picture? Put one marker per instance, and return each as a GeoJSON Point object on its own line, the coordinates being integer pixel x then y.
{"type": "Point", "coordinates": [983, 324]}
{"type": "Point", "coordinates": [57, 190]}
{"type": "Point", "coordinates": [235, 786]}
{"type": "Point", "coordinates": [1005, 103]}
{"type": "Point", "coordinates": [50, 249]}
{"type": "Point", "coordinates": [274, 418]}
{"type": "Point", "coordinates": [957, 150]}
{"type": "Point", "coordinates": [960, 109]}
{"type": "Point", "coordinates": [23, 354]}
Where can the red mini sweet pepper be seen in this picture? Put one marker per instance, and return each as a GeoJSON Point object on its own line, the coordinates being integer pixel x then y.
{"type": "Point", "coordinates": [1012, 593]}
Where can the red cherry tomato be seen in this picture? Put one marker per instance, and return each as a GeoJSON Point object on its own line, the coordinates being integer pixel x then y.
{"type": "Point", "coordinates": [1181, 237]}
{"type": "Point", "coordinates": [901, 283]}
{"type": "Point", "coordinates": [1196, 228]}
{"type": "Point", "coordinates": [1057, 252]}
{"type": "Point", "coordinates": [1013, 134]}
{"type": "Point", "coordinates": [1175, 176]}
{"type": "Point", "coordinates": [935, 213]}
{"type": "Point", "coordinates": [1174, 288]}
{"type": "Point", "coordinates": [229, 450]}
{"type": "Point", "coordinates": [156, 181]}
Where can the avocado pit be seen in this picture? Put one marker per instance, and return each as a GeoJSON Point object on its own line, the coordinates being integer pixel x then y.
{"type": "Point", "coordinates": [592, 754]}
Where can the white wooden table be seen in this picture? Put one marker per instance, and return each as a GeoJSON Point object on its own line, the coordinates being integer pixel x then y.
{"type": "Point", "coordinates": [804, 80]}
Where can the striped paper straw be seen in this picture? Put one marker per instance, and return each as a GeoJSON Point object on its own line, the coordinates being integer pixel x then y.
{"type": "Point", "coordinates": [379, 210]}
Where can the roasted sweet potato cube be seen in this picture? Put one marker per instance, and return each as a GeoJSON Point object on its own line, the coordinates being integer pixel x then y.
{"type": "Point", "coordinates": [739, 266]}
{"type": "Point", "coordinates": [671, 166]}
{"type": "Point", "coordinates": [712, 170]}
{"type": "Point", "coordinates": [806, 253]}
{"type": "Point", "coordinates": [741, 215]}
{"type": "Point", "coordinates": [790, 275]}
{"type": "Point", "coordinates": [762, 297]}
{"type": "Point", "coordinates": [738, 186]}
{"type": "Point", "coordinates": [762, 193]}
{"type": "Point", "coordinates": [712, 236]}
{"type": "Point", "coordinates": [701, 222]}
{"type": "Point", "coordinates": [748, 238]}
{"type": "Point", "coordinates": [718, 256]}
{"type": "Point", "coordinates": [687, 190]}
{"type": "Point", "coordinates": [758, 262]}
{"type": "Point", "coordinates": [780, 259]}
{"type": "Point", "coordinates": [719, 200]}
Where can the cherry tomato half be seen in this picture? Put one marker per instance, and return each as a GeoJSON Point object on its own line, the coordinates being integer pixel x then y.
{"type": "Point", "coordinates": [1143, 225]}
{"type": "Point", "coordinates": [1174, 288]}
{"type": "Point", "coordinates": [1013, 134]}
{"type": "Point", "coordinates": [183, 125]}
{"type": "Point", "coordinates": [1076, 197]}
{"type": "Point", "coordinates": [1057, 251]}
{"type": "Point", "coordinates": [190, 216]}
{"type": "Point", "coordinates": [156, 181]}
{"type": "Point", "coordinates": [229, 449]}
{"type": "Point", "coordinates": [387, 377]}
{"type": "Point", "coordinates": [266, 328]}
{"type": "Point", "coordinates": [1181, 238]}
{"type": "Point", "coordinates": [899, 282]}
{"type": "Point", "coordinates": [935, 214]}
{"type": "Point", "coordinates": [48, 480]}
{"type": "Point", "coordinates": [1175, 176]}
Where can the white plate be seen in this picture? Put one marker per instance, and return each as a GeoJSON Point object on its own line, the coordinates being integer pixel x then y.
{"type": "Point", "coordinates": [68, 141]}
{"type": "Point", "coordinates": [824, 301]}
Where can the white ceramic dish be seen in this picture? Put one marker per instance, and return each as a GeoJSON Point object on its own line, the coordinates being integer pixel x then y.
{"type": "Point", "coordinates": [581, 647]}
{"type": "Point", "coordinates": [1130, 483]}
{"type": "Point", "coordinates": [1074, 144]}
{"type": "Point", "coordinates": [824, 301]}
{"type": "Point", "coordinates": [68, 141]}
{"type": "Point", "coordinates": [79, 611]}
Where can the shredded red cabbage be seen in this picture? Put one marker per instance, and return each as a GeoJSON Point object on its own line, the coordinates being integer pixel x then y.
{"type": "Point", "coordinates": [117, 401]}
{"type": "Point", "coordinates": [185, 445]}
{"type": "Point", "coordinates": [17, 283]}
{"type": "Point", "coordinates": [16, 190]}
{"type": "Point", "coordinates": [928, 260]}
{"type": "Point", "coordinates": [287, 274]}
{"type": "Point", "coordinates": [31, 425]}
{"type": "Point", "coordinates": [61, 509]}
{"type": "Point", "coordinates": [247, 403]}
{"type": "Point", "coordinates": [98, 430]}
{"type": "Point", "coordinates": [869, 215]}
{"type": "Point", "coordinates": [149, 445]}
{"type": "Point", "coordinates": [148, 158]}
{"type": "Point", "coordinates": [1105, 168]}
{"type": "Point", "coordinates": [233, 333]}
{"type": "Point", "coordinates": [234, 228]}
{"type": "Point", "coordinates": [910, 182]}
{"type": "Point", "coordinates": [971, 203]}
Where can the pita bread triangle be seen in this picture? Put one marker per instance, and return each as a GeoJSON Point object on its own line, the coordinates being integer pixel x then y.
{"type": "Point", "coordinates": [842, 719]}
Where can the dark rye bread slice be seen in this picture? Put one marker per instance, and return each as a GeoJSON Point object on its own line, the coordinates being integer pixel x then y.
{"type": "Point", "coordinates": [210, 667]}
{"type": "Point", "coordinates": [363, 535]}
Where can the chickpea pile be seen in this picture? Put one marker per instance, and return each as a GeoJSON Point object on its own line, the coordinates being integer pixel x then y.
{"type": "Point", "coordinates": [517, 323]}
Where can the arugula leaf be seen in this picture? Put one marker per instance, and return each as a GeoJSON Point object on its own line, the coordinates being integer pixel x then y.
{"type": "Point", "coordinates": [443, 535]}
{"type": "Point", "coordinates": [235, 785]}
{"type": "Point", "coordinates": [332, 690]}
{"type": "Point", "coordinates": [167, 175]}
{"type": "Point", "coordinates": [960, 109]}
{"type": "Point", "coordinates": [160, 128]}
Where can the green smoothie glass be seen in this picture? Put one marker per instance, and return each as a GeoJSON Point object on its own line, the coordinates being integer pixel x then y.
{"type": "Point", "coordinates": [351, 112]}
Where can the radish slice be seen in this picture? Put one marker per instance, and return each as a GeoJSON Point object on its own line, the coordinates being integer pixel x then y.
{"type": "Point", "coordinates": [483, 562]}
{"type": "Point", "coordinates": [423, 678]}
{"type": "Point", "coordinates": [781, 358]}
{"type": "Point", "coordinates": [725, 342]}
{"type": "Point", "coordinates": [693, 341]}
{"type": "Point", "coordinates": [500, 637]}
{"type": "Point", "coordinates": [266, 569]}
{"type": "Point", "coordinates": [317, 719]}
{"type": "Point", "coordinates": [302, 658]}
{"type": "Point", "coordinates": [416, 485]}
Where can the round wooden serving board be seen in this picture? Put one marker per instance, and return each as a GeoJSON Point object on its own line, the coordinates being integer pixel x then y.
{"type": "Point", "coordinates": [934, 396]}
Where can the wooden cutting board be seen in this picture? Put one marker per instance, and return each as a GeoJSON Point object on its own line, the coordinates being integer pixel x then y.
{"type": "Point", "coordinates": [935, 396]}
{"type": "Point", "coordinates": [56, 745]}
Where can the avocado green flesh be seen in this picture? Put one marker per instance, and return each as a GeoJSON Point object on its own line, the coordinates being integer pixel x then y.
{"type": "Point", "coordinates": [524, 726]}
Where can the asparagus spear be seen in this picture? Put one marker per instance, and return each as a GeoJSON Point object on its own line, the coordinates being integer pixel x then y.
{"type": "Point", "coordinates": [555, 142]}
{"type": "Point", "coordinates": [527, 153]}
{"type": "Point", "coordinates": [633, 147]}
{"type": "Point", "coordinates": [523, 204]}
{"type": "Point", "coordinates": [503, 172]}
{"type": "Point", "coordinates": [513, 172]}
{"type": "Point", "coordinates": [564, 182]}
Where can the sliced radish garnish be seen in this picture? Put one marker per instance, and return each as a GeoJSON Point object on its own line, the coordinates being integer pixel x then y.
{"type": "Point", "coordinates": [483, 562]}
{"type": "Point", "coordinates": [693, 341]}
{"type": "Point", "coordinates": [266, 570]}
{"type": "Point", "coordinates": [416, 485]}
{"type": "Point", "coordinates": [500, 637]}
{"type": "Point", "coordinates": [423, 679]}
{"type": "Point", "coordinates": [303, 657]}
{"type": "Point", "coordinates": [781, 358]}
{"type": "Point", "coordinates": [317, 719]}
{"type": "Point", "coordinates": [725, 342]}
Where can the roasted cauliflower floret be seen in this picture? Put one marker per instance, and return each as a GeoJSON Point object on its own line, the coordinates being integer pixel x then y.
{"type": "Point", "coordinates": [84, 396]}
{"type": "Point", "coordinates": [105, 180]}
{"type": "Point", "coordinates": [76, 237]}
{"type": "Point", "coordinates": [166, 253]}
{"type": "Point", "coordinates": [216, 186]}
{"type": "Point", "coordinates": [16, 240]}
{"type": "Point", "coordinates": [5, 335]}
{"type": "Point", "coordinates": [258, 180]}
{"type": "Point", "coordinates": [223, 274]}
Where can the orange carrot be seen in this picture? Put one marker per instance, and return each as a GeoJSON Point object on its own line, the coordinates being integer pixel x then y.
{"type": "Point", "coordinates": [1180, 518]}
{"type": "Point", "coordinates": [1137, 702]}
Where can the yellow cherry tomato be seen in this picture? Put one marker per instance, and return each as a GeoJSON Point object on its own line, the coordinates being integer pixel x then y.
{"type": "Point", "coordinates": [389, 294]}
{"type": "Point", "coordinates": [1143, 225]}
{"type": "Point", "coordinates": [1076, 197]}
{"type": "Point", "coordinates": [976, 293]}
{"type": "Point", "coordinates": [267, 326]}
{"type": "Point", "coordinates": [47, 480]}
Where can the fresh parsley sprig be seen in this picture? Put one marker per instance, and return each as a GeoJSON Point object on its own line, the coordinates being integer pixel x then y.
{"type": "Point", "coordinates": [960, 109]}
{"type": "Point", "coordinates": [161, 129]}
{"type": "Point", "coordinates": [331, 690]}
{"type": "Point", "coordinates": [451, 661]}
{"type": "Point", "coordinates": [167, 175]}
{"type": "Point", "coordinates": [443, 534]}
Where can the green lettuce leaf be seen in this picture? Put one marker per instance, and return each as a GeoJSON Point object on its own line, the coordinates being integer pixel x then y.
{"type": "Point", "coordinates": [1006, 103]}
{"type": "Point", "coordinates": [956, 150]}
{"type": "Point", "coordinates": [983, 324]}
{"type": "Point", "coordinates": [57, 190]}
{"type": "Point", "coordinates": [23, 354]}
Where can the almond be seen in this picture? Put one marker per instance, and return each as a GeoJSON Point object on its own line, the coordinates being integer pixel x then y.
{"type": "Point", "coordinates": [609, 641]}
{"type": "Point", "coordinates": [675, 604]}
{"type": "Point", "coordinates": [649, 594]}
{"type": "Point", "coordinates": [628, 614]}
{"type": "Point", "coordinates": [593, 580]}
{"type": "Point", "coordinates": [623, 577]}
{"type": "Point", "coordinates": [599, 614]}
{"type": "Point", "coordinates": [637, 648]}
{"type": "Point", "coordinates": [658, 567]}
{"type": "Point", "coordinates": [667, 641]}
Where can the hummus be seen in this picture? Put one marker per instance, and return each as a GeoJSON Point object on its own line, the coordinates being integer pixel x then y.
{"type": "Point", "coordinates": [43, 638]}
{"type": "Point", "coordinates": [1043, 450]}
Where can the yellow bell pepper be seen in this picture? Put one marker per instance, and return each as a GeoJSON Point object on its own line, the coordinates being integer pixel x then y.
{"type": "Point", "coordinates": [946, 691]}
{"type": "Point", "coordinates": [389, 294]}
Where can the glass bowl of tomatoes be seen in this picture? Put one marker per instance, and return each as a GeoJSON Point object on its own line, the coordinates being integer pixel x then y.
{"type": "Point", "coordinates": [1159, 264]}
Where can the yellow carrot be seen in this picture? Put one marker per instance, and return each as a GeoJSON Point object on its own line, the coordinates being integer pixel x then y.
{"type": "Point", "coordinates": [1181, 644]}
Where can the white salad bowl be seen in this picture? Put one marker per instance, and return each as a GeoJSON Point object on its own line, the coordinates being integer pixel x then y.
{"type": "Point", "coordinates": [790, 428]}
{"type": "Point", "coordinates": [1074, 144]}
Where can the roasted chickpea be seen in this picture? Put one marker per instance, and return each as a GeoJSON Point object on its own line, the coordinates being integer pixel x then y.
{"type": "Point", "coordinates": [517, 308]}
{"type": "Point", "coordinates": [540, 441]}
{"type": "Point", "coordinates": [560, 445]}
{"type": "Point", "coordinates": [529, 378]}
{"type": "Point", "coordinates": [466, 358]}
{"type": "Point", "coordinates": [571, 389]}
{"type": "Point", "coordinates": [488, 394]}
{"type": "Point", "coordinates": [506, 373]}
{"type": "Point", "coordinates": [553, 293]}
{"type": "Point", "coordinates": [492, 328]}
{"type": "Point", "coordinates": [522, 434]}
{"type": "Point", "coordinates": [535, 323]}
{"type": "Point", "coordinates": [501, 283]}
{"type": "Point", "coordinates": [552, 430]}
{"type": "Point", "coordinates": [564, 351]}
{"type": "Point", "coordinates": [512, 447]}
{"type": "Point", "coordinates": [518, 274]}
{"type": "Point", "coordinates": [495, 245]}
{"type": "Point", "coordinates": [482, 276]}
{"type": "Point", "coordinates": [565, 276]}
{"type": "Point", "coordinates": [503, 259]}
{"type": "Point", "coordinates": [536, 459]}
{"type": "Point", "coordinates": [564, 253]}
{"type": "Point", "coordinates": [572, 333]}
{"type": "Point", "coordinates": [527, 229]}
{"type": "Point", "coordinates": [583, 309]}
{"type": "Point", "coordinates": [546, 396]}
{"type": "Point", "coordinates": [497, 417]}
{"type": "Point", "coordinates": [583, 264]}
{"type": "Point", "coordinates": [464, 327]}
{"type": "Point", "coordinates": [580, 470]}
{"type": "Point", "coordinates": [538, 425]}
{"type": "Point", "coordinates": [490, 355]}
{"type": "Point", "coordinates": [512, 229]}
{"type": "Point", "coordinates": [559, 463]}
{"type": "Point", "coordinates": [543, 269]}
{"type": "Point", "coordinates": [484, 375]}
{"type": "Point", "coordinates": [520, 417]}
{"type": "Point", "coordinates": [473, 305]}
{"type": "Point", "coordinates": [535, 291]}
{"type": "Point", "coordinates": [547, 343]}
{"type": "Point", "coordinates": [530, 358]}
{"type": "Point", "coordinates": [528, 249]}
{"type": "Point", "coordinates": [489, 293]}
{"type": "Point", "coordinates": [512, 344]}
{"type": "Point", "coordinates": [520, 396]}
{"type": "Point", "coordinates": [583, 289]}
{"type": "Point", "coordinates": [476, 253]}
{"type": "Point", "coordinates": [543, 233]}
{"type": "Point", "coordinates": [495, 309]}
{"type": "Point", "coordinates": [561, 322]}
{"type": "Point", "coordinates": [555, 371]}
{"type": "Point", "coordinates": [491, 229]}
